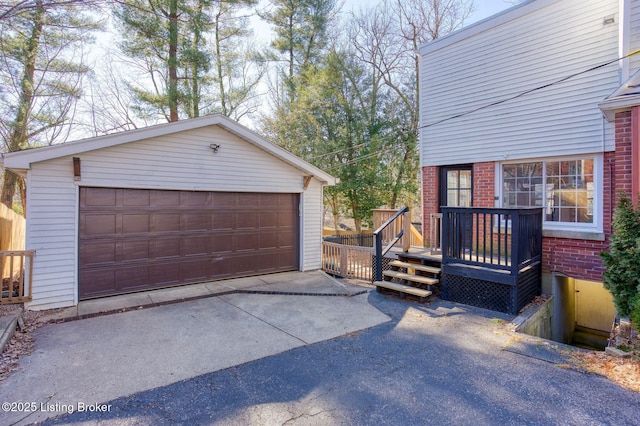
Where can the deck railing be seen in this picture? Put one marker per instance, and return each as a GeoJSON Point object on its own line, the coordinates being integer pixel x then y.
{"type": "Point", "coordinates": [347, 261]}
{"type": "Point", "coordinates": [361, 240]}
{"type": "Point", "coordinates": [505, 240]}
{"type": "Point", "coordinates": [400, 224]}
{"type": "Point", "coordinates": [381, 216]}
{"type": "Point", "coordinates": [16, 276]}
{"type": "Point", "coordinates": [435, 233]}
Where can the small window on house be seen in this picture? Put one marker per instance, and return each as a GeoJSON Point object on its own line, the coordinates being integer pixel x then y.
{"type": "Point", "coordinates": [565, 188]}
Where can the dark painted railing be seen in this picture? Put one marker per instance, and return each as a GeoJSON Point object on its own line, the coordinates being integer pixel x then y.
{"type": "Point", "coordinates": [505, 240]}
{"type": "Point", "coordinates": [360, 240]}
{"type": "Point", "coordinates": [378, 238]}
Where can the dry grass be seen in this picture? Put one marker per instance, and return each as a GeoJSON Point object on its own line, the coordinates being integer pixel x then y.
{"type": "Point", "coordinates": [623, 371]}
{"type": "Point", "coordinates": [22, 342]}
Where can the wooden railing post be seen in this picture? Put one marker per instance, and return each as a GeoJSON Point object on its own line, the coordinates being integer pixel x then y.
{"type": "Point", "coordinates": [406, 237]}
{"type": "Point", "coordinates": [378, 262]}
{"type": "Point", "coordinates": [20, 269]}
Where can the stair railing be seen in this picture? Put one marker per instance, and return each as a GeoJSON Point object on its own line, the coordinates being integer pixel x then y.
{"type": "Point", "coordinates": [378, 236]}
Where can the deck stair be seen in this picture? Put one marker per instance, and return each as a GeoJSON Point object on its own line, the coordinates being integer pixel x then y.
{"type": "Point", "coordinates": [410, 275]}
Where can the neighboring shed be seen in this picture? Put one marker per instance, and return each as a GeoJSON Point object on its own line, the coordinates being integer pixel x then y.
{"type": "Point", "coordinates": [167, 205]}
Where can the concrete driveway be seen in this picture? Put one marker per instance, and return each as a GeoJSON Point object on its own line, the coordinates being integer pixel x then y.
{"type": "Point", "coordinates": [435, 364]}
{"type": "Point", "coordinates": [244, 359]}
{"type": "Point", "coordinates": [90, 361]}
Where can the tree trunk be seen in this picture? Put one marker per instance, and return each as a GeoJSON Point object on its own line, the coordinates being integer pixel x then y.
{"type": "Point", "coordinates": [9, 185]}
{"type": "Point", "coordinates": [219, 71]}
{"type": "Point", "coordinates": [18, 135]}
{"type": "Point", "coordinates": [173, 60]}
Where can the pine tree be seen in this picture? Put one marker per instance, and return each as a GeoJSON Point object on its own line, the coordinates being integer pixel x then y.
{"type": "Point", "coordinates": [622, 261]}
{"type": "Point", "coordinates": [41, 52]}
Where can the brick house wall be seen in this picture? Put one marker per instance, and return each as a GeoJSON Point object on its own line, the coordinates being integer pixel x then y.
{"type": "Point", "coordinates": [429, 199]}
{"type": "Point", "coordinates": [575, 258]}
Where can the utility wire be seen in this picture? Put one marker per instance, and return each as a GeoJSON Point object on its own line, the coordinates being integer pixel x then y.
{"type": "Point", "coordinates": [526, 92]}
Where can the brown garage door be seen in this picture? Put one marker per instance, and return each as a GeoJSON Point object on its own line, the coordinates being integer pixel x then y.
{"type": "Point", "coordinates": [132, 240]}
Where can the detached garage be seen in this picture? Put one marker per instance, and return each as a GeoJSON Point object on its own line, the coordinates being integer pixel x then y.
{"type": "Point", "coordinates": [179, 203]}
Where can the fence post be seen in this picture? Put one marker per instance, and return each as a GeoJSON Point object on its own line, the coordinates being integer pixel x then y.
{"type": "Point", "coordinates": [344, 261]}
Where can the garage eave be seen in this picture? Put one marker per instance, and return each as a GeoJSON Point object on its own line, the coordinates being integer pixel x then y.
{"type": "Point", "coordinates": [22, 160]}
{"type": "Point", "coordinates": [278, 152]}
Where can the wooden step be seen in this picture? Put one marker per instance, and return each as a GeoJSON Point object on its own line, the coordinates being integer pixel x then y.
{"type": "Point", "coordinates": [403, 288]}
{"type": "Point", "coordinates": [410, 277]}
{"type": "Point", "coordinates": [416, 266]}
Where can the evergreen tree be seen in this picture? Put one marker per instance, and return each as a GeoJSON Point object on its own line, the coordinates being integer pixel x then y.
{"type": "Point", "coordinates": [40, 78]}
{"type": "Point", "coordinates": [301, 36]}
{"type": "Point", "coordinates": [191, 55]}
{"type": "Point", "coordinates": [622, 261]}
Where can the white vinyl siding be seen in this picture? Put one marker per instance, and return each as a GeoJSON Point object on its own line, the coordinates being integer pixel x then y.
{"type": "Point", "coordinates": [312, 226]}
{"type": "Point", "coordinates": [51, 232]}
{"type": "Point", "coordinates": [184, 161]}
{"type": "Point", "coordinates": [520, 51]}
{"type": "Point", "coordinates": [634, 35]}
{"type": "Point", "coordinates": [181, 161]}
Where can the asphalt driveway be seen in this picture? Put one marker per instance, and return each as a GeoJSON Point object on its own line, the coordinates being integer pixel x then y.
{"type": "Point", "coordinates": [441, 363]}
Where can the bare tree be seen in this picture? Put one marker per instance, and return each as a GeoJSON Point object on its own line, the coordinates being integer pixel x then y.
{"type": "Point", "coordinates": [42, 57]}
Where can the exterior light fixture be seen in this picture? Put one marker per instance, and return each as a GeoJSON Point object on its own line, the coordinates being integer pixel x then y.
{"type": "Point", "coordinates": [76, 168]}
{"type": "Point", "coordinates": [214, 147]}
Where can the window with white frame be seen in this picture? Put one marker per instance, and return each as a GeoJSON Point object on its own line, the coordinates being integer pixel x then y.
{"type": "Point", "coordinates": [566, 188]}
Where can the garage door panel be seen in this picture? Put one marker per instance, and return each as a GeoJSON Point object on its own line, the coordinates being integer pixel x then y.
{"type": "Point", "coordinates": [135, 250]}
{"type": "Point", "coordinates": [99, 224]}
{"type": "Point", "coordinates": [194, 245]}
{"type": "Point", "coordinates": [286, 218]}
{"type": "Point", "coordinates": [163, 248]}
{"type": "Point", "coordinates": [247, 241]}
{"type": "Point", "coordinates": [137, 222]}
{"type": "Point", "coordinates": [195, 270]}
{"type": "Point", "coordinates": [100, 197]}
{"type": "Point", "coordinates": [197, 199]}
{"type": "Point", "coordinates": [100, 252]}
{"type": "Point", "coordinates": [224, 201]}
{"type": "Point", "coordinates": [98, 282]}
{"type": "Point", "coordinates": [166, 222]}
{"type": "Point", "coordinates": [248, 201]}
{"type": "Point", "coordinates": [287, 238]}
{"type": "Point", "coordinates": [196, 221]}
{"type": "Point", "coordinates": [132, 277]}
{"type": "Point", "coordinates": [269, 240]}
{"type": "Point", "coordinates": [222, 243]}
{"type": "Point", "coordinates": [248, 220]}
{"type": "Point", "coordinates": [269, 219]}
{"type": "Point", "coordinates": [136, 197]}
{"type": "Point", "coordinates": [223, 220]}
{"type": "Point", "coordinates": [163, 274]}
{"type": "Point", "coordinates": [144, 239]}
{"type": "Point", "coordinates": [165, 198]}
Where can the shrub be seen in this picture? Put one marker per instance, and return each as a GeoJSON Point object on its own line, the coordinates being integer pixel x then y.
{"type": "Point", "coordinates": [635, 313]}
{"type": "Point", "coordinates": [622, 261]}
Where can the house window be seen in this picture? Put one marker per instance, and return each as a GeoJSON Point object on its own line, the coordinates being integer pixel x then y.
{"type": "Point", "coordinates": [564, 187]}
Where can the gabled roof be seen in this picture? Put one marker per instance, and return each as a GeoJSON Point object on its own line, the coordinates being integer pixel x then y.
{"type": "Point", "coordinates": [624, 98]}
{"type": "Point", "coordinates": [22, 160]}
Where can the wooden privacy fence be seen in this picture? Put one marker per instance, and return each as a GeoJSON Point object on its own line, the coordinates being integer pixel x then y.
{"type": "Point", "coordinates": [413, 236]}
{"type": "Point", "coordinates": [16, 263]}
{"type": "Point", "coordinates": [347, 261]}
{"type": "Point", "coordinates": [17, 283]}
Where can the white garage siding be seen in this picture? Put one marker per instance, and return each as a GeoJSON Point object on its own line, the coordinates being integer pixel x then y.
{"type": "Point", "coordinates": [312, 226]}
{"type": "Point", "coordinates": [526, 47]}
{"type": "Point", "coordinates": [180, 161]}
